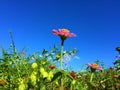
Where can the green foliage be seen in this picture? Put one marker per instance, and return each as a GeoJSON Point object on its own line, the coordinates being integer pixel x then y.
{"type": "Point", "coordinates": [38, 71]}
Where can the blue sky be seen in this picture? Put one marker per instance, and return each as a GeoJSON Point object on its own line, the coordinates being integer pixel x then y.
{"type": "Point", "coordinates": [96, 23]}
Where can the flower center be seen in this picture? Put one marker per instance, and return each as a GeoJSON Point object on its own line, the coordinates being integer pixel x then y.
{"type": "Point", "coordinates": [65, 30]}
{"type": "Point", "coordinates": [96, 65]}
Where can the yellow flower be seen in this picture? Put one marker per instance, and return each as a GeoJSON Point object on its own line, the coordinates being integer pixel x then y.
{"type": "Point", "coordinates": [34, 65]}
{"type": "Point", "coordinates": [20, 80]}
{"type": "Point", "coordinates": [33, 79]}
{"type": "Point", "coordinates": [50, 76]}
{"type": "Point", "coordinates": [73, 82]}
{"type": "Point", "coordinates": [22, 87]}
{"type": "Point", "coordinates": [42, 69]}
{"type": "Point", "coordinates": [45, 74]}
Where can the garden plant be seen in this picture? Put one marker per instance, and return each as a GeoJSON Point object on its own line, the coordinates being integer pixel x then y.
{"type": "Point", "coordinates": [45, 70]}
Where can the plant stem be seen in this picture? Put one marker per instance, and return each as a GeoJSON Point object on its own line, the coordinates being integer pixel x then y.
{"type": "Point", "coordinates": [91, 77]}
{"type": "Point", "coordinates": [13, 44]}
{"type": "Point", "coordinates": [61, 87]}
{"type": "Point", "coordinates": [61, 57]}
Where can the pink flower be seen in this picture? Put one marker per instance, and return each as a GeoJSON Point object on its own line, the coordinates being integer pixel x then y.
{"type": "Point", "coordinates": [94, 66]}
{"type": "Point", "coordinates": [63, 33]}
{"type": "Point", "coordinates": [72, 73]}
{"type": "Point", "coordinates": [23, 53]}
{"type": "Point", "coordinates": [115, 76]}
{"type": "Point", "coordinates": [52, 66]}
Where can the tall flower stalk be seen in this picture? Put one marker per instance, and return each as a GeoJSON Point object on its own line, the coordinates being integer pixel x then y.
{"type": "Point", "coordinates": [61, 58]}
{"type": "Point", "coordinates": [63, 34]}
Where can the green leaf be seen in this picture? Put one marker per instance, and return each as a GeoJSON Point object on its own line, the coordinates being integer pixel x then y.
{"type": "Point", "coordinates": [70, 77]}
{"type": "Point", "coordinates": [118, 48]}
{"type": "Point", "coordinates": [117, 61]}
{"type": "Point", "coordinates": [44, 52]}
{"type": "Point", "coordinates": [57, 75]}
{"type": "Point", "coordinates": [92, 84]}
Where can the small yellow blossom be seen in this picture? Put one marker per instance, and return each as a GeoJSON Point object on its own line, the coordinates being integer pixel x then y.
{"type": "Point", "coordinates": [22, 87]}
{"type": "Point", "coordinates": [45, 74]}
{"type": "Point", "coordinates": [33, 79]}
{"type": "Point", "coordinates": [73, 82]}
{"type": "Point", "coordinates": [42, 70]}
{"type": "Point", "coordinates": [20, 80]}
{"type": "Point", "coordinates": [34, 65]}
{"type": "Point", "coordinates": [50, 76]}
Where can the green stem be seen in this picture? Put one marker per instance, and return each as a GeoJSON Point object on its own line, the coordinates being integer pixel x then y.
{"type": "Point", "coordinates": [91, 77]}
{"type": "Point", "coordinates": [61, 87]}
{"type": "Point", "coordinates": [17, 67]}
{"type": "Point", "coordinates": [13, 44]}
{"type": "Point", "coordinates": [61, 57]}
{"type": "Point", "coordinates": [61, 67]}
{"type": "Point", "coordinates": [71, 87]}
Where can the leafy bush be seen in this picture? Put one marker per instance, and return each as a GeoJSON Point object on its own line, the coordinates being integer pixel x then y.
{"type": "Point", "coordinates": [19, 71]}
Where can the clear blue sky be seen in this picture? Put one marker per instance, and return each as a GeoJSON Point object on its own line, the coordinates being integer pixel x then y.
{"type": "Point", "coordinates": [96, 23]}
